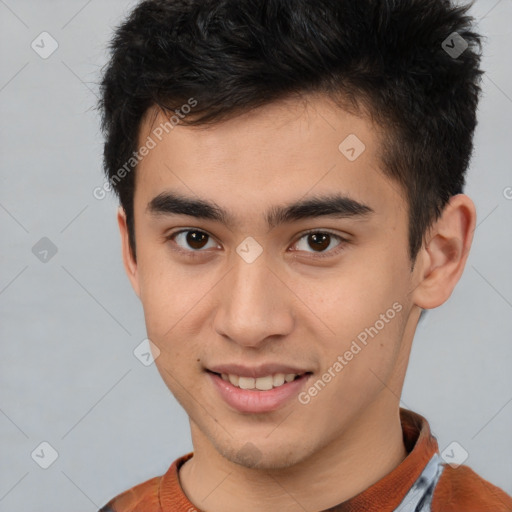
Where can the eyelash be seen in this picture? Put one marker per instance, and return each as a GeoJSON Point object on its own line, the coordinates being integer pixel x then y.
{"type": "Point", "coordinates": [197, 253]}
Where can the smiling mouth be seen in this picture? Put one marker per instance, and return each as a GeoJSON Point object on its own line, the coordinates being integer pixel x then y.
{"type": "Point", "coordinates": [265, 383]}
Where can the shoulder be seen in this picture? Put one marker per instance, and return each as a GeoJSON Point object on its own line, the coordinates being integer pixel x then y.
{"type": "Point", "coordinates": [461, 489]}
{"type": "Point", "coordinates": [141, 498]}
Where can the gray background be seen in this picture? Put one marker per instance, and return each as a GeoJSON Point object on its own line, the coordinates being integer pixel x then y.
{"type": "Point", "coordinates": [68, 375]}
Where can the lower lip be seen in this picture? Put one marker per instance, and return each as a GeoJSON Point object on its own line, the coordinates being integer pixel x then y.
{"type": "Point", "coordinates": [255, 401]}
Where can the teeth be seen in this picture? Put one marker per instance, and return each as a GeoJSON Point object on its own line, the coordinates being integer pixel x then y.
{"type": "Point", "coordinates": [246, 383]}
{"type": "Point", "coordinates": [264, 383]}
{"type": "Point", "coordinates": [261, 383]}
{"type": "Point", "coordinates": [278, 379]}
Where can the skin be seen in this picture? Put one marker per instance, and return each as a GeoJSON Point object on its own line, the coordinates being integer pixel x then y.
{"type": "Point", "coordinates": [287, 306]}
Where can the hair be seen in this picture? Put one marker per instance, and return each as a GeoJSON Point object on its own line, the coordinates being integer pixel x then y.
{"type": "Point", "coordinates": [382, 58]}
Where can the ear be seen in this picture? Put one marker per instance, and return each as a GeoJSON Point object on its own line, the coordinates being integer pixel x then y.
{"type": "Point", "coordinates": [130, 265]}
{"type": "Point", "coordinates": [443, 257]}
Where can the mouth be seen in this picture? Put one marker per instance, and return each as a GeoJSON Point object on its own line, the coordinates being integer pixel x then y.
{"type": "Point", "coordinates": [264, 383]}
{"type": "Point", "coordinates": [258, 394]}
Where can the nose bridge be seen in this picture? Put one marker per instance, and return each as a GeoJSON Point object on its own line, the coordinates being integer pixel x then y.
{"type": "Point", "coordinates": [250, 285]}
{"type": "Point", "coordinates": [252, 308]}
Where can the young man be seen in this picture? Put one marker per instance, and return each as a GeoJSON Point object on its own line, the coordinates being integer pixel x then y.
{"type": "Point", "coordinates": [290, 176]}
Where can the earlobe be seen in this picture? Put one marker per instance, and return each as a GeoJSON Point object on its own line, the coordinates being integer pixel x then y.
{"type": "Point", "coordinates": [130, 265]}
{"type": "Point", "coordinates": [445, 253]}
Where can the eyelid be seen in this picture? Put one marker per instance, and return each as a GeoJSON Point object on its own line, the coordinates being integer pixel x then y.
{"type": "Point", "coordinates": [326, 254]}
{"type": "Point", "coordinates": [177, 248]}
{"type": "Point", "coordinates": [330, 253]}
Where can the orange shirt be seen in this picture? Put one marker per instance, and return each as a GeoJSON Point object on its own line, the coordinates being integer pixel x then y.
{"type": "Point", "coordinates": [421, 483]}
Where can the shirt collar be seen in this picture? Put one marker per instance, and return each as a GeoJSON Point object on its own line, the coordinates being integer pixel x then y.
{"type": "Point", "coordinates": [385, 495]}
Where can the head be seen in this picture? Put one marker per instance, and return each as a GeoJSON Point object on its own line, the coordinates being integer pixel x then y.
{"type": "Point", "coordinates": [316, 152]}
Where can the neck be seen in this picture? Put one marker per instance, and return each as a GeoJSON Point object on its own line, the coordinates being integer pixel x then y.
{"type": "Point", "coordinates": [370, 448]}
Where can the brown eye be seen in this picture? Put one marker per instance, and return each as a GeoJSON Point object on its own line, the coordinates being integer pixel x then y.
{"type": "Point", "coordinates": [196, 239]}
{"type": "Point", "coordinates": [320, 242]}
{"type": "Point", "coordinates": [191, 240]}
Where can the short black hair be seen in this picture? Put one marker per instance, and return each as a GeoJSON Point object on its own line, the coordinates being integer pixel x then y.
{"type": "Point", "coordinates": [388, 59]}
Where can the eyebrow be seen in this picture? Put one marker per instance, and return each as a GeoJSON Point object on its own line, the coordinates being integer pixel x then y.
{"type": "Point", "coordinates": [333, 205]}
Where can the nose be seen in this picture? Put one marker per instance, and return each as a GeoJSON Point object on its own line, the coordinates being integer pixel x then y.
{"type": "Point", "coordinates": [255, 305]}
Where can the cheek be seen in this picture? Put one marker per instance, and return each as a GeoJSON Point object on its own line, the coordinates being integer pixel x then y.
{"type": "Point", "coordinates": [359, 316]}
{"type": "Point", "coordinates": [165, 289]}
{"type": "Point", "coordinates": [348, 299]}
{"type": "Point", "coordinates": [175, 300]}
{"type": "Point", "coordinates": [356, 365]}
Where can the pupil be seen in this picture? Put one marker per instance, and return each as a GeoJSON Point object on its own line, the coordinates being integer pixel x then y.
{"type": "Point", "coordinates": [320, 240]}
{"type": "Point", "coordinates": [195, 239]}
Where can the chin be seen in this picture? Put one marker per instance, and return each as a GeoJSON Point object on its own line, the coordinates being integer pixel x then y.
{"type": "Point", "coordinates": [264, 456]}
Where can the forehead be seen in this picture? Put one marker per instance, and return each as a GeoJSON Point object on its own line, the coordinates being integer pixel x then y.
{"type": "Point", "coordinates": [308, 125]}
{"type": "Point", "coordinates": [274, 154]}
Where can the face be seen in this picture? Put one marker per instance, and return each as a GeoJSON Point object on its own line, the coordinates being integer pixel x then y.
{"type": "Point", "coordinates": [251, 286]}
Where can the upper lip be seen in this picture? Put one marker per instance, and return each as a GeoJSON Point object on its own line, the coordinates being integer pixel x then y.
{"type": "Point", "coordinates": [256, 371]}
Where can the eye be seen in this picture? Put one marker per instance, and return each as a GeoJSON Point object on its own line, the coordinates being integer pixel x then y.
{"type": "Point", "coordinates": [192, 241]}
{"type": "Point", "coordinates": [321, 242]}
{"type": "Point", "coordinates": [188, 239]}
